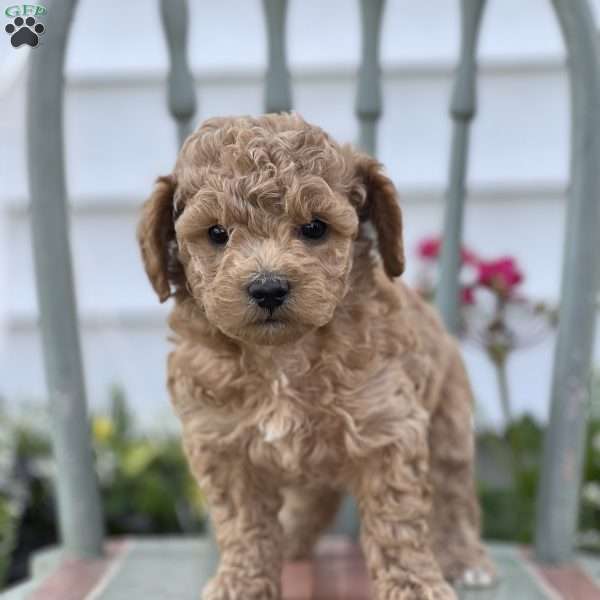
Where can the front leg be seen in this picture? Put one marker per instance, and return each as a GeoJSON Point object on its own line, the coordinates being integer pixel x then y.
{"type": "Point", "coordinates": [244, 508]}
{"type": "Point", "coordinates": [394, 499]}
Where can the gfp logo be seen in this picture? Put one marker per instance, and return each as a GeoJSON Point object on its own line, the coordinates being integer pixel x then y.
{"type": "Point", "coordinates": [25, 28]}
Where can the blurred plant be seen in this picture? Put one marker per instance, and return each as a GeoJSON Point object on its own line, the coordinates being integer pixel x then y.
{"type": "Point", "coordinates": [25, 493]}
{"type": "Point", "coordinates": [589, 537]}
{"type": "Point", "coordinates": [11, 498]}
{"type": "Point", "coordinates": [501, 321]}
{"type": "Point", "coordinates": [8, 530]}
{"type": "Point", "coordinates": [494, 315]}
{"type": "Point", "coordinates": [508, 495]}
{"type": "Point", "coordinates": [144, 482]}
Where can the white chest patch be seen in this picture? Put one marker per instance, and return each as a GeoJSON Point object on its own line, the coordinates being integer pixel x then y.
{"type": "Point", "coordinates": [272, 431]}
{"type": "Point", "coordinates": [282, 420]}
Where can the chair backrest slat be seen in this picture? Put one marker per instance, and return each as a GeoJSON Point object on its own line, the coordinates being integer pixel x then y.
{"type": "Point", "coordinates": [181, 93]}
{"type": "Point", "coordinates": [278, 89]}
{"type": "Point", "coordinates": [562, 466]}
{"type": "Point", "coordinates": [462, 110]}
{"type": "Point", "coordinates": [79, 511]}
{"type": "Point", "coordinates": [368, 99]}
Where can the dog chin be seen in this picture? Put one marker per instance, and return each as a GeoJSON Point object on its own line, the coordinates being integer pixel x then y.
{"type": "Point", "coordinates": [271, 332]}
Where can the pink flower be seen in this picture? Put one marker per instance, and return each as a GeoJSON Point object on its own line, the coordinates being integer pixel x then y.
{"type": "Point", "coordinates": [469, 257]}
{"type": "Point", "coordinates": [501, 275]}
{"type": "Point", "coordinates": [467, 295]}
{"type": "Point", "coordinates": [429, 249]}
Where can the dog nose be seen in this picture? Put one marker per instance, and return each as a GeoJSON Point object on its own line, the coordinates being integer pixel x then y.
{"type": "Point", "coordinates": [269, 293]}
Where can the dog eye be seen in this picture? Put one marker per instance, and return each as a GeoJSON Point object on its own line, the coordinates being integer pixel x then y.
{"type": "Point", "coordinates": [314, 230]}
{"type": "Point", "coordinates": [218, 234]}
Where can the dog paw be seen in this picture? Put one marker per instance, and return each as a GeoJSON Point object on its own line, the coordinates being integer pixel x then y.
{"type": "Point", "coordinates": [477, 572]}
{"type": "Point", "coordinates": [231, 586]}
{"type": "Point", "coordinates": [24, 31]}
{"type": "Point", "coordinates": [476, 578]}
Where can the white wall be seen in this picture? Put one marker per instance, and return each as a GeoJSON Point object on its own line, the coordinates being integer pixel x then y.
{"type": "Point", "coordinates": [119, 137]}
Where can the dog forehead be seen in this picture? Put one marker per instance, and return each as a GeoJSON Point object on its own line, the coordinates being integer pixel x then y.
{"type": "Point", "coordinates": [263, 147]}
{"type": "Point", "coordinates": [216, 190]}
{"type": "Point", "coordinates": [249, 198]}
{"type": "Point", "coordinates": [243, 169]}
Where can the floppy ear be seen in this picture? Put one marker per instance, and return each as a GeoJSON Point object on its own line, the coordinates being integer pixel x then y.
{"type": "Point", "coordinates": [378, 202]}
{"type": "Point", "coordinates": [156, 237]}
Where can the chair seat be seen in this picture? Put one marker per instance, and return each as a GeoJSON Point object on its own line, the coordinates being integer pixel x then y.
{"type": "Point", "coordinates": [177, 568]}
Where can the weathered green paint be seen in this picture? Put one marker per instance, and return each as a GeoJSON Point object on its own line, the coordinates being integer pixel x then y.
{"type": "Point", "coordinates": [563, 447]}
{"type": "Point", "coordinates": [278, 91]}
{"type": "Point", "coordinates": [78, 501]}
{"type": "Point", "coordinates": [462, 110]}
{"type": "Point", "coordinates": [181, 94]}
{"type": "Point", "coordinates": [368, 99]}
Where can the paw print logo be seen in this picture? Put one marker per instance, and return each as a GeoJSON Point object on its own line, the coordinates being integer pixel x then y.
{"type": "Point", "coordinates": [24, 31]}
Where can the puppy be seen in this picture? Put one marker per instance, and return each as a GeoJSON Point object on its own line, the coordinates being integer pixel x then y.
{"type": "Point", "coordinates": [301, 369]}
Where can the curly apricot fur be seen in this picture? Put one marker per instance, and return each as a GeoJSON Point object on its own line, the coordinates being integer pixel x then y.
{"type": "Point", "coordinates": [357, 386]}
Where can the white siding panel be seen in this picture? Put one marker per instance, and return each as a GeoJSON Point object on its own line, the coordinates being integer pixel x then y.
{"type": "Point", "coordinates": [119, 136]}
